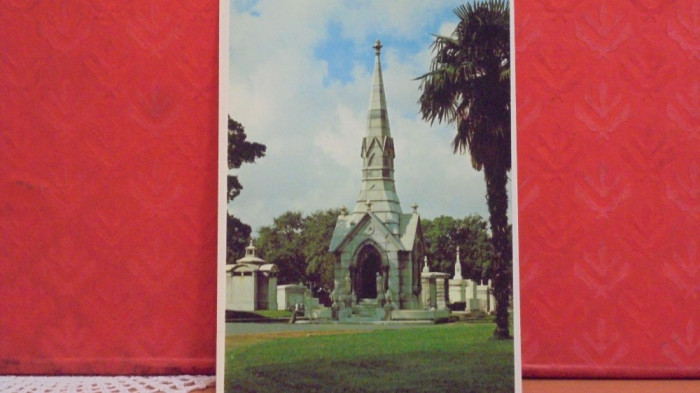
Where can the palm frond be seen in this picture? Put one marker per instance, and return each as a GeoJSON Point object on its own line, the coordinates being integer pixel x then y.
{"type": "Point", "coordinates": [468, 82]}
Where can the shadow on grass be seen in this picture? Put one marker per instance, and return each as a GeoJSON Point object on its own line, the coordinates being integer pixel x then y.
{"type": "Point", "coordinates": [416, 372]}
{"type": "Point", "coordinates": [257, 316]}
{"type": "Point", "coordinates": [396, 361]}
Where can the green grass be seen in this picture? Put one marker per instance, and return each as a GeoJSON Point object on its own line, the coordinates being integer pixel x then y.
{"type": "Point", "coordinates": [456, 357]}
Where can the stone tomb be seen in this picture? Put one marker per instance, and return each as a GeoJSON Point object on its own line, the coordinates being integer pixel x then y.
{"type": "Point", "coordinates": [378, 247]}
{"type": "Point", "coordinates": [475, 297]}
{"type": "Point", "coordinates": [292, 294]}
{"type": "Point", "coordinates": [435, 294]}
{"type": "Point", "coordinates": [251, 283]}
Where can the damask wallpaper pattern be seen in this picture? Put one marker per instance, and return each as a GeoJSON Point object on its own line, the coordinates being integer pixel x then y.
{"type": "Point", "coordinates": [108, 184]}
{"type": "Point", "coordinates": [108, 166]}
{"type": "Point", "coordinates": [608, 160]}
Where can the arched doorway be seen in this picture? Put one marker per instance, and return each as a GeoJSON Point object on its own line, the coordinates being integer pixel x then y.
{"type": "Point", "coordinates": [368, 262]}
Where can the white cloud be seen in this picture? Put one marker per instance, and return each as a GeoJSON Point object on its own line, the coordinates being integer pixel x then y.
{"type": "Point", "coordinates": [447, 28]}
{"type": "Point", "coordinates": [339, 140]}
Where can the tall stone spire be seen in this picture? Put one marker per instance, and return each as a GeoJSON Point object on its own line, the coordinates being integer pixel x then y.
{"type": "Point", "coordinates": [378, 158]}
{"type": "Point", "coordinates": [377, 119]}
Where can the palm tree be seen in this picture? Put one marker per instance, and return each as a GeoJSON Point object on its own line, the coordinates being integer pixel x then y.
{"type": "Point", "coordinates": [469, 85]}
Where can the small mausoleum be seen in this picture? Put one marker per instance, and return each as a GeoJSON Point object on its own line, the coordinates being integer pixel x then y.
{"type": "Point", "coordinates": [435, 295]}
{"type": "Point", "coordinates": [471, 294]}
{"type": "Point", "coordinates": [288, 296]}
{"type": "Point", "coordinates": [251, 283]}
{"type": "Point", "coordinates": [379, 248]}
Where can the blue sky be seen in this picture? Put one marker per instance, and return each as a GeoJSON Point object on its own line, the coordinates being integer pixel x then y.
{"type": "Point", "coordinates": [300, 82]}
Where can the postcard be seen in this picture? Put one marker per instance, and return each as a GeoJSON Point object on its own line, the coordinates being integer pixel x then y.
{"type": "Point", "coordinates": [368, 198]}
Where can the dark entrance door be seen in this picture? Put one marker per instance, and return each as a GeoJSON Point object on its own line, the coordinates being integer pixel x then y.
{"type": "Point", "coordinates": [368, 265]}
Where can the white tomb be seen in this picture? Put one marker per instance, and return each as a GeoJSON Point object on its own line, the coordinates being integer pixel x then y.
{"type": "Point", "coordinates": [291, 294]}
{"type": "Point", "coordinates": [251, 283]}
{"type": "Point", "coordinates": [435, 294]}
{"type": "Point", "coordinates": [475, 296]}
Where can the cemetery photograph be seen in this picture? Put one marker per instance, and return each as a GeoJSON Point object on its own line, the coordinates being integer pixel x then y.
{"type": "Point", "coordinates": [369, 236]}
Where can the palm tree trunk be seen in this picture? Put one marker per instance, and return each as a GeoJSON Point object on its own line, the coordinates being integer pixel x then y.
{"type": "Point", "coordinates": [497, 200]}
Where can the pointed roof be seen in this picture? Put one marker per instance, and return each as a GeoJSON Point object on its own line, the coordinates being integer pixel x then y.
{"type": "Point", "coordinates": [409, 229]}
{"type": "Point", "coordinates": [378, 157]}
{"type": "Point", "coordinates": [346, 230]}
{"type": "Point", "coordinates": [378, 119]}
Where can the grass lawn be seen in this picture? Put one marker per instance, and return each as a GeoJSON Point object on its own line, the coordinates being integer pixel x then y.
{"type": "Point", "coordinates": [458, 357]}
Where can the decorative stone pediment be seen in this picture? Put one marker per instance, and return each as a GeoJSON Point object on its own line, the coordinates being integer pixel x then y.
{"type": "Point", "coordinates": [369, 227]}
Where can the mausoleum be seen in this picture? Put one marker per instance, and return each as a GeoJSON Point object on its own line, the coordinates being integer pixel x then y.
{"type": "Point", "coordinates": [379, 248]}
{"type": "Point", "coordinates": [471, 293]}
{"type": "Point", "coordinates": [251, 283]}
{"type": "Point", "coordinates": [288, 296]}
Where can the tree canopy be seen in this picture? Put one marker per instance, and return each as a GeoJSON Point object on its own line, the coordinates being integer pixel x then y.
{"type": "Point", "coordinates": [444, 234]}
{"type": "Point", "coordinates": [239, 151]}
{"type": "Point", "coordinates": [298, 245]}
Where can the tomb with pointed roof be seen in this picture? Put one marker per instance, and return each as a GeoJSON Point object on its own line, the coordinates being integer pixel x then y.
{"type": "Point", "coordinates": [379, 248]}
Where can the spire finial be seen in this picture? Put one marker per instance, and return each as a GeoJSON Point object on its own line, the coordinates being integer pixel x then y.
{"type": "Point", "coordinates": [250, 250]}
{"type": "Point", "coordinates": [377, 47]}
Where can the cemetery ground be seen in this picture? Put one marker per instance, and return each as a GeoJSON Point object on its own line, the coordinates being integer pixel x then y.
{"type": "Point", "coordinates": [453, 357]}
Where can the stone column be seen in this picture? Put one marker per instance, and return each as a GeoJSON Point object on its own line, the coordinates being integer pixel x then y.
{"type": "Point", "coordinates": [433, 293]}
{"type": "Point", "coordinates": [425, 292]}
{"type": "Point", "coordinates": [272, 292]}
{"type": "Point", "coordinates": [474, 302]}
{"type": "Point", "coordinates": [393, 281]}
{"type": "Point", "coordinates": [440, 293]}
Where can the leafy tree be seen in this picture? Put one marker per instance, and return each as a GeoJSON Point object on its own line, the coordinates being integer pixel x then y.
{"type": "Point", "coordinates": [239, 151]}
{"type": "Point", "coordinates": [298, 245]}
{"type": "Point", "coordinates": [237, 235]}
{"type": "Point", "coordinates": [282, 244]}
{"type": "Point", "coordinates": [444, 234]}
{"type": "Point", "coordinates": [320, 268]}
{"type": "Point", "coordinates": [469, 84]}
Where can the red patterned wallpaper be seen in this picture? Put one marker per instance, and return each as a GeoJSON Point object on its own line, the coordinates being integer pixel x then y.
{"type": "Point", "coordinates": [108, 184]}
{"type": "Point", "coordinates": [608, 101]}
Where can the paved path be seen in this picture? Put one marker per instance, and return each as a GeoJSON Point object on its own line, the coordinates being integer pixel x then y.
{"type": "Point", "coordinates": [233, 329]}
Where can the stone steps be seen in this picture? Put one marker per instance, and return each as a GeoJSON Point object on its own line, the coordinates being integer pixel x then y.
{"type": "Point", "coordinates": [366, 309]}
